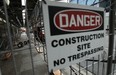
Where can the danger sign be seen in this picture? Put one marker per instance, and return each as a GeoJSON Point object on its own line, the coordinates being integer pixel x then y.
{"type": "Point", "coordinates": [73, 33]}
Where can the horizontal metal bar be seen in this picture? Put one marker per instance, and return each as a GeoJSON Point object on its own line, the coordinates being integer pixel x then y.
{"type": "Point", "coordinates": [89, 65]}
{"type": "Point", "coordinates": [2, 52]}
{"type": "Point", "coordinates": [113, 61]}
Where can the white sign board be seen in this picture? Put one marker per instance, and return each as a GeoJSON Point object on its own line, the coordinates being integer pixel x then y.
{"type": "Point", "coordinates": [73, 33]}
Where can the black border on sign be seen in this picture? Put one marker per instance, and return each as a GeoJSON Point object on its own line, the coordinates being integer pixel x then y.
{"type": "Point", "coordinates": [52, 10]}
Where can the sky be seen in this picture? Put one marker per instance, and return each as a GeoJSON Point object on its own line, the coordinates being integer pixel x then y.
{"type": "Point", "coordinates": [83, 2]}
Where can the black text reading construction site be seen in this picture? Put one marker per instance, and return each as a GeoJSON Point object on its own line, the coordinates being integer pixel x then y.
{"type": "Point", "coordinates": [73, 40]}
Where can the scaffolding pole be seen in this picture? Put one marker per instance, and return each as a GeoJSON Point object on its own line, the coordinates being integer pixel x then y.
{"type": "Point", "coordinates": [28, 33]}
{"type": "Point", "coordinates": [10, 37]}
{"type": "Point", "coordinates": [111, 37]}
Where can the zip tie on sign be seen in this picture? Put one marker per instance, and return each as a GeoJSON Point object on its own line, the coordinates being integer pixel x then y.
{"type": "Point", "coordinates": [110, 56]}
{"type": "Point", "coordinates": [44, 1]}
{"type": "Point", "coordinates": [112, 34]}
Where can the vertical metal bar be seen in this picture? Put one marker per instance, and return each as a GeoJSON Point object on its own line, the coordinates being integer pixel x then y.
{"type": "Point", "coordinates": [79, 68]}
{"type": "Point", "coordinates": [28, 31]}
{"type": "Point", "coordinates": [103, 66]}
{"type": "Point", "coordinates": [70, 71]}
{"type": "Point", "coordinates": [18, 21]}
{"type": "Point", "coordinates": [113, 65]}
{"type": "Point", "coordinates": [114, 59]}
{"type": "Point", "coordinates": [98, 65]}
{"type": "Point", "coordinates": [93, 65]}
{"type": "Point", "coordinates": [36, 21]}
{"type": "Point", "coordinates": [9, 34]}
{"type": "Point", "coordinates": [43, 38]}
{"type": "Point", "coordinates": [77, 1]}
{"type": "Point", "coordinates": [0, 72]}
{"type": "Point", "coordinates": [113, 69]}
{"type": "Point", "coordinates": [86, 2]}
{"type": "Point", "coordinates": [111, 36]}
{"type": "Point", "coordinates": [94, 1]}
{"type": "Point", "coordinates": [86, 67]}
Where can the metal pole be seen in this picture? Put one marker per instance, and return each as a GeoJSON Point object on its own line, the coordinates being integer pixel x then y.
{"type": "Point", "coordinates": [103, 68]}
{"type": "Point", "coordinates": [98, 65]}
{"type": "Point", "coordinates": [111, 37]}
{"type": "Point", "coordinates": [77, 1]}
{"type": "Point", "coordinates": [0, 72]}
{"type": "Point", "coordinates": [93, 65]}
{"type": "Point", "coordinates": [86, 2]}
{"type": "Point", "coordinates": [28, 31]}
{"type": "Point", "coordinates": [79, 68]}
{"type": "Point", "coordinates": [10, 39]}
{"type": "Point", "coordinates": [114, 59]}
{"type": "Point", "coordinates": [86, 67]}
{"type": "Point", "coordinates": [18, 21]}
